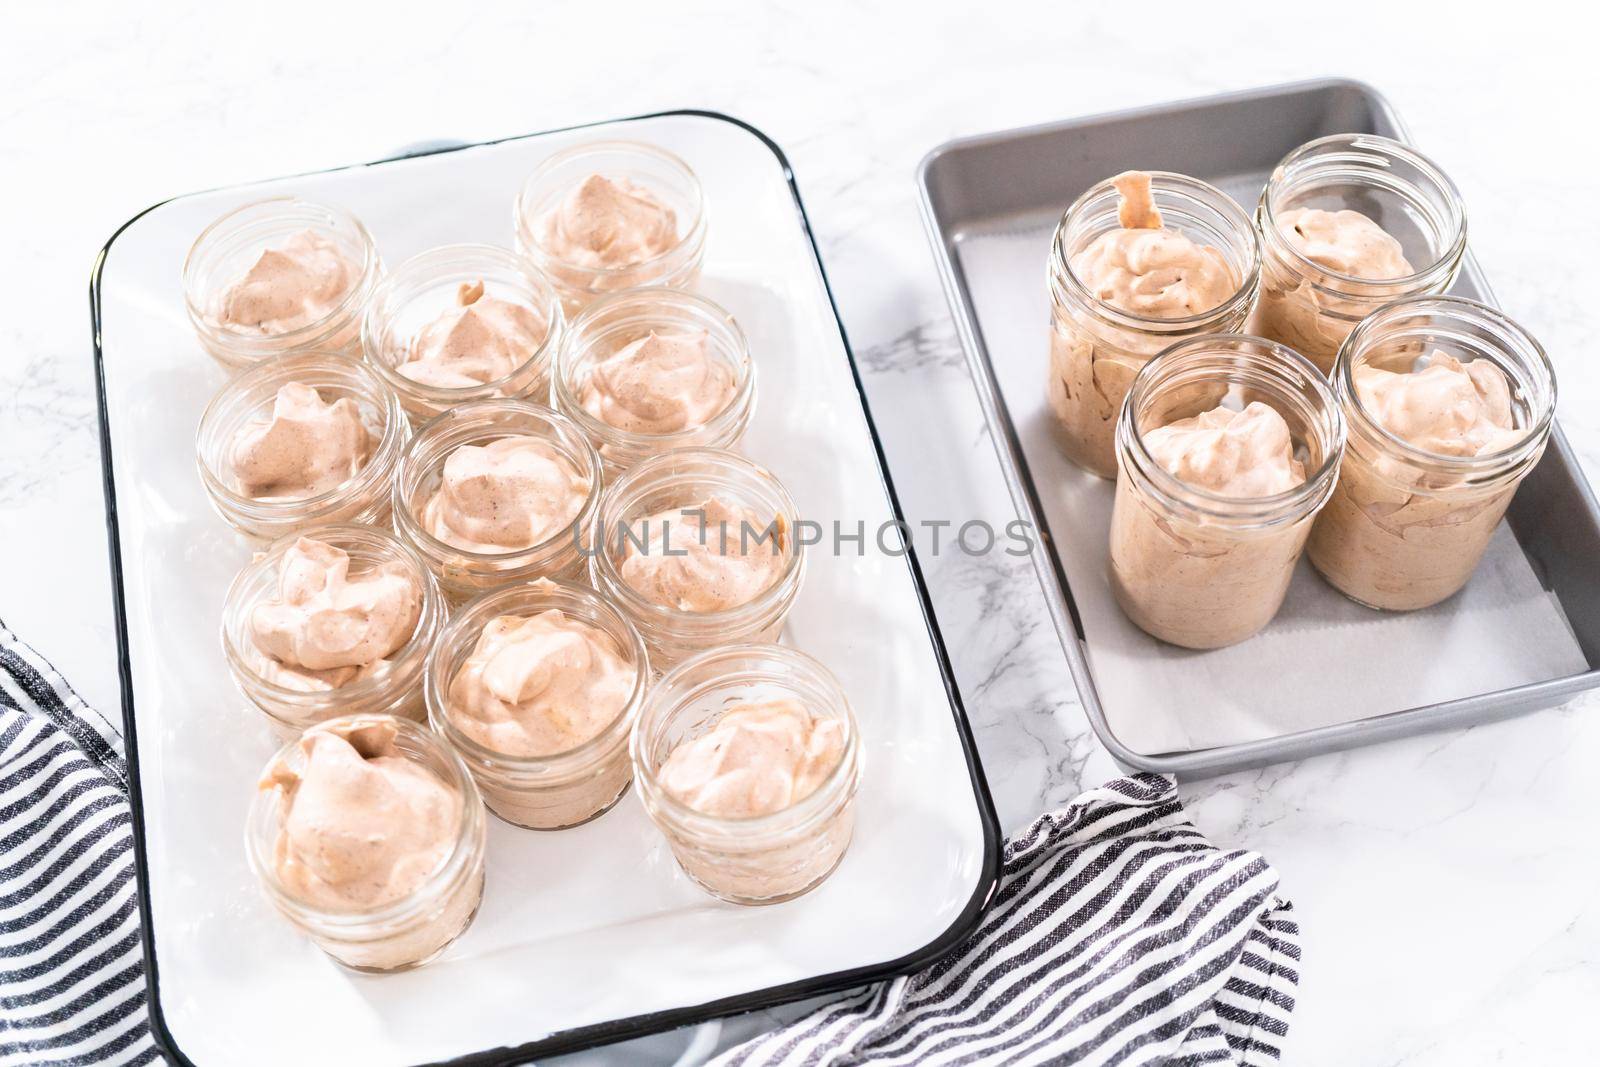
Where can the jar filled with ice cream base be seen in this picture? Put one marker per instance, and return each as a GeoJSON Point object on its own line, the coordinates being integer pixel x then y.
{"type": "Point", "coordinates": [461, 323]}
{"type": "Point", "coordinates": [1450, 405]}
{"type": "Point", "coordinates": [329, 621]}
{"type": "Point", "coordinates": [611, 215]}
{"type": "Point", "coordinates": [498, 491]}
{"type": "Point", "coordinates": [653, 370]}
{"type": "Point", "coordinates": [1348, 224]}
{"type": "Point", "coordinates": [298, 441]}
{"type": "Point", "coordinates": [1227, 447]}
{"type": "Point", "coordinates": [698, 548]}
{"type": "Point", "coordinates": [1137, 263]}
{"type": "Point", "coordinates": [537, 686]}
{"type": "Point", "coordinates": [392, 787]}
{"type": "Point", "coordinates": [278, 276]}
{"type": "Point", "coordinates": [798, 752]}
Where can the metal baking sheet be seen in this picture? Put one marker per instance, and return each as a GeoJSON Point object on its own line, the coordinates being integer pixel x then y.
{"type": "Point", "coordinates": [590, 934]}
{"type": "Point", "coordinates": [990, 204]}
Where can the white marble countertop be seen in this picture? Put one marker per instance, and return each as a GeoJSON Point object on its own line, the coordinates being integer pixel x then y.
{"type": "Point", "coordinates": [1448, 886]}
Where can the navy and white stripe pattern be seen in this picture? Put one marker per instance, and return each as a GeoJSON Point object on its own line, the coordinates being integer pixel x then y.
{"type": "Point", "coordinates": [1118, 935]}
{"type": "Point", "coordinates": [72, 987]}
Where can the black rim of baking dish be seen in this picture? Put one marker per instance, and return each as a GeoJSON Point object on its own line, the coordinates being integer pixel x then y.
{"type": "Point", "coordinates": [639, 1025]}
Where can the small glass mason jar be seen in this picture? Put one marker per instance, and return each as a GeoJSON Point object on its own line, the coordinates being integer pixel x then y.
{"type": "Point", "coordinates": [405, 933]}
{"type": "Point", "coordinates": [563, 789]}
{"type": "Point", "coordinates": [1406, 527]}
{"type": "Point", "coordinates": [1197, 568]}
{"type": "Point", "coordinates": [1312, 308]}
{"type": "Point", "coordinates": [462, 572]}
{"type": "Point", "coordinates": [615, 322]}
{"type": "Point", "coordinates": [394, 690]}
{"type": "Point", "coordinates": [227, 248]}
{"type": "Point", "coordinates": [249, 397]}
{"type": "Point", "coordinates": [1095, 347]}
{"type": "Point", "coordinates": [683, 480]}
{"type": "Point", "coordinates": [426, 286]}
{"type": "Point", "coordinates": [662, 173]}
{"type": "Point", "coordinates": [764, 859]}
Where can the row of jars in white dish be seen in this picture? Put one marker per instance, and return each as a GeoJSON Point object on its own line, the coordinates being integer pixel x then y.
{"type": "Point", "coordinates": [364, 316]}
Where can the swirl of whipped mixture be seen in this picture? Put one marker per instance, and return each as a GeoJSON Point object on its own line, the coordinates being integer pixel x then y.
{"type": "Point", "coordinates": [304, 448]}
{"type": "Point", "coordinates": [483, 339]}
{"type": "Point", "coordinates": [1396, 535]}
{"type": "Point", "coordinates": [511, 494]}
{"type": "Point", "coordinates": [1448, 407]}
{"type": "Point", "coordinates": [713, 556]}
{"type": "Point", "coordinates": [362, 825]}
{"type": "Point", "coordinates": [539, 685]}
{"type": "Point", "coordinates": [1147, 270]}
{"type": "Point", "coordinates": [1240, 454]}
{"type": "Point", "coordinates": [325, 628]}
{"type": "Point", "coordinates": [1143, 269]}
{"type": "Point", "coordinates": [661, 383]}
{"type": "Point", "coordinates": [758, 758]}
{"type": "Point", "coordinates": [1344, 241]}
{"type": "Point", "coordinates": [289, 286]}
{"type": "Point", "coordinates": [606, 223]}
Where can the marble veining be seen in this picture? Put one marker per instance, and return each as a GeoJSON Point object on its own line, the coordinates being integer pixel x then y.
{"type": "Point", "coordinates": [1447, 884]}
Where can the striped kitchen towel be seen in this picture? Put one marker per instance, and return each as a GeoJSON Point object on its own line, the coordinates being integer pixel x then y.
{"type": "Point", "coordinates": [1118, 935]}
{"type": "Point", "coordinates": [71, 970]}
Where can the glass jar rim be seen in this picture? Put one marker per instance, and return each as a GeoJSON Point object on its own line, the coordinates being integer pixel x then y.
{"type": "Point", "coordinates": [1370, 331]}
{"type": "Point", "coordinates": [1356, 284]}
{"type": "Point", "coordinates": [483, 609]}
{"type": "Point", "coordinates": [469, 829]}
{"type": "Point", "coordinates": [812, 808]}
{"type": "Point", "coordinates": [350, 304]}
{"type": "Point", "coordinates": [373, 322]}
{"type": "Point", "coordinates": [690, 236]}
{"type": "Point", "coordinates": [1279, 361]}
{"type": "Point", "coordinates": [430, 614]}
{"type": "Point", "coordinates": [292, 367]}
{"type": "Point", "coordinates": [557, 423]}
{"type": "Point", "coordinates": [1172, 181]}
{"type": "Point", "coordinates": [646, 297]}
{"type": "Point", "coordinates": [640, 475]}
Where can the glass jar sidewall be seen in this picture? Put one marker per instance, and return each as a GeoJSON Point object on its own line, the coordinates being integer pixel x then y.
{"type": "Point", "coordinates": [462, 573]}
{"type": "Point", "coordinates": [398, 692]}
{"type": "Point", "coordinates": [241, 401]}
{"type": "Point", "coordinates": [425, 276]}
{"type": "Point", "coordinates": [257, 224]}
{"type": "Point", "coordinates": [590, 339]}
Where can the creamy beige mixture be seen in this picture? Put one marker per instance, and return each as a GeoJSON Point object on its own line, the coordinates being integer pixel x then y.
{"type": "Point", "coordinates": [1242, 454]}
{"type": "Point", "coordinates": [758, 758]}
{"type": "Point", "coordinates": [539, 685]}
{"type": "Point", "coordinates": [325, 628]}
{"type": "Point", "coordinates": [508, 495]}
{"type": "Point", "coordinates": [1200, 583]}
{"type": "Point", "coordinates": [661, 383]}
{"type": "Point", "coordinates": [1448, 407]}
{"type": "Point", "coordinates": [481, 340]}
{"type": "Point", "coordinates": [1394, 536]}
{"type": "Point", "coordinates": [607, 223]}
{"type": "Point", "coordinates": [304, 448]}
{"type": "Point", "coordinates": [362, 827]}
{"type": "Point", "coordinates": [1296, 308]}
{"type": "Point", "coordinates": [712, 556]}
{"type": "Point", "coordinates": [289, 286]}
{"type": "Point", "coordinates": [1139, 269]}
{"type": "Point", "coordinates": [1146, 270]}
